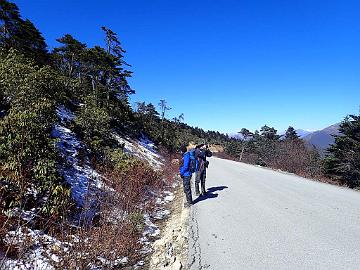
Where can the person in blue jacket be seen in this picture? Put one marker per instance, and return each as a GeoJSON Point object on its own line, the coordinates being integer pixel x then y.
{"type": "Point", "coordinates": [186, 174]}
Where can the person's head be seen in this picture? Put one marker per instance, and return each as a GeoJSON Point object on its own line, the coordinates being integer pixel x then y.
{"type": "Point", "coordinates": [199, 146]}
{"type": "Point", "coordinates": [183, 149]}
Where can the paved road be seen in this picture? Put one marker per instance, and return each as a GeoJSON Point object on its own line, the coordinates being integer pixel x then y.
{"type": "Point", "coordinates": [255, 218]}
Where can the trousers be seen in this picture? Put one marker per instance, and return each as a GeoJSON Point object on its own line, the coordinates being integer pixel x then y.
{"type": "Point", "coordinates": [187, 188]}
{"type": "Point", "coordinates": [200, 179]}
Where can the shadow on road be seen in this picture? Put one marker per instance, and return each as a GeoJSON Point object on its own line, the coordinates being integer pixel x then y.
{"type": "Point", "coordinates": [210, 194]}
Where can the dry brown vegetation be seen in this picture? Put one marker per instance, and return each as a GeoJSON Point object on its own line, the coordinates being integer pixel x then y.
{"type": "Point", "coordinates": [293, 156]}
{"type": "Point", "coordinates": [115, 230]}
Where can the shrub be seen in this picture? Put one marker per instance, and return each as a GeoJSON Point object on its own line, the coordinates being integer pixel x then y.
{"type": "Point", "coordinates": [28, 172]}
{"type": "Point", "coordinates": [94, 124]}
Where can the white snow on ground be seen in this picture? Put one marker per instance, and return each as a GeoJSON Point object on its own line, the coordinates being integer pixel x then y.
{"type": "Point", "coordinates": [84, 181]}
{"type": "Point", "coordinates": [41, 253]}
{"type": "Point", "coordinates": [85, 185]}
{"type": "Point", "coordinates": [161, 214]}
{"type": "Point", "coordinates": [150, 228]}
{"type": "Point", "coordinates": [143, 149]}
{"type": "Point", "coordinates": [111, 264]}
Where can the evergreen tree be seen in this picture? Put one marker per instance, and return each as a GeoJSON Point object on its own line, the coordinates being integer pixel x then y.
{"type": "Point", "coordinates": [163, 108]}
{"type": "Point", "coordinates": [9, 19]}
{"type": "Point", "coordinates": [343, 158]}
{"type": "Point", "coordinates": [21, 34]}
{"type": "Point", "coordinates": [31, 43]}
{"type": "Point", "coordinates": [246, 134]}
{"type": "Point", "coordinates": [291, 134]}
{"type": "Point", "coordinates": [68, 58]}
{"type": "Point", "coordinates": [269, 133]}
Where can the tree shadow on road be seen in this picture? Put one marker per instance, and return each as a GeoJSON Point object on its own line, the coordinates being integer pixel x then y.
{"type": "Point", "coordinates": [210, 194]}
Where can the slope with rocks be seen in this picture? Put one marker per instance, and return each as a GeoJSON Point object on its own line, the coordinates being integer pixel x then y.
{"type": "Point", "coordinates": [37, 249]}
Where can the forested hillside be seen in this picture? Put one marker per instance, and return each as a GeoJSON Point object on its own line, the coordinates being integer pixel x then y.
{"type": "Point", "coordinates": [74, 153]}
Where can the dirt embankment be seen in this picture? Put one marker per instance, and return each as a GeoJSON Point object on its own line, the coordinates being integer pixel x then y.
{"type": "Point", "coordinates": [170, 251]}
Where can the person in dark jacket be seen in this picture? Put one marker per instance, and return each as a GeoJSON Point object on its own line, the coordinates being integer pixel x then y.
{"type": "Point", "coordinates": [201, 153]}
{"type": "Point", "coordinates": [186, 174]}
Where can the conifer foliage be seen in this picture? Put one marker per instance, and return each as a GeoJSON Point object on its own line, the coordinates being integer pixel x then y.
{"type": "Point", "coordinates": [92, 82]}
{"type": "Point", "coordinates": [343, 158]}
{"type": "Point", "coordinates": [20, 34]}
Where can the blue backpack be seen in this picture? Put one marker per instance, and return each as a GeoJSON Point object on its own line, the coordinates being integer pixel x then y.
{"type": "Point", "coordinates": [193, 161]}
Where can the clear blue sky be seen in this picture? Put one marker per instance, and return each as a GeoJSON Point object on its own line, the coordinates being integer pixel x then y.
{"type": "Point", "coordinates": [227, 64]}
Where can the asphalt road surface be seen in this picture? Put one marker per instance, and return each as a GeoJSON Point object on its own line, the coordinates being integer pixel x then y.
{"type": "Point", "coordinates": [256, 218]}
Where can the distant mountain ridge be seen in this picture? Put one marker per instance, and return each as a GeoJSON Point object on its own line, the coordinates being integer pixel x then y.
{"type": "Point", "coordinates": [300, 132]}
{"type": "Point", "coordinates": [321, 139]}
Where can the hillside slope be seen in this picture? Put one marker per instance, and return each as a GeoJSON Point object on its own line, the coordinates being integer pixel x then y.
{"type": "Point", "coordinates": [321, 139]}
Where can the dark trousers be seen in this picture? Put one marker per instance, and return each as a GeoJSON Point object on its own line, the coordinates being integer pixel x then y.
{"type": "Point", "coordinates": [200, 178]}
{"type": "Point", "coordinates": [187, 188]}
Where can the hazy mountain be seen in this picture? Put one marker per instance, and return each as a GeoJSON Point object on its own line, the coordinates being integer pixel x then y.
{"type": "Point", "coordinates": [235, 135]}
{"type": "Point", "coordinates": [302, 133]}
{"type": "Point", "coordinates": [321, 139]}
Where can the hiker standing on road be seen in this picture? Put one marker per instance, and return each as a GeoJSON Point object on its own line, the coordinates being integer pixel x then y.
{"type": "Point", "coordinates": [201, 153]}
{"type": "Point", "coordinates": [185, 173]}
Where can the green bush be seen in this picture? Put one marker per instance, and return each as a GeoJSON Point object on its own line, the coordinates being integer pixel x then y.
{"type": "Point", "coordinates": [94, 123]}
{"type": "Point", "coordinates": [27, 151]}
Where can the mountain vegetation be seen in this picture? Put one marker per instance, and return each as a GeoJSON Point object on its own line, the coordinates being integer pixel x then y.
{"type": "Point", "coordinates": [91, 83]}
{"type": "Point", "coordinates": [338, 163]}
{"type": "Point", "coordinates": [267, 148]}
{"type": "Point", "coordinates": [63, 114]}
{"type": "Point", "coordinates": [343, 157]}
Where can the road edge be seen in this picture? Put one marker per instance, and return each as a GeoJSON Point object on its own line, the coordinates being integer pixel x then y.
{"type": "Point", "coordinates": [170, 251]}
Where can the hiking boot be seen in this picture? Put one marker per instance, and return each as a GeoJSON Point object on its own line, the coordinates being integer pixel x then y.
{"type": "Point", "coordinates": [187, 204]}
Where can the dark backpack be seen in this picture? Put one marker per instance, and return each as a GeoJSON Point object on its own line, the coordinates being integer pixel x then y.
{"type": "Point", "coordinates": [192, 165]}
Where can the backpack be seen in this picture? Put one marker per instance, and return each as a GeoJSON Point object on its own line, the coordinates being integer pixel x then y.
{"type": "Point", "coordinates": [193, 161]}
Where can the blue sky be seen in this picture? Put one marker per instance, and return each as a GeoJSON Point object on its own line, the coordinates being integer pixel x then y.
{"type": "Point", "coordinates": [227, 64]}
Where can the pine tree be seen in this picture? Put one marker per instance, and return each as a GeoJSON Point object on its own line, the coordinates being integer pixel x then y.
{"type": "Point", "coordinates": [246, 134]}
{"type": "Point", "coordinates": [343, 158]}
{"type": "Point", "coordinates": [68, 58]}
{"type": "Point", "coordinates": [269, 133]}
{"type": "Point", "coordinates": [163, 108]}
{"type": "Point", "coordinates": [9, 18]}
{"type": "Point", "coordinates": [21, 34]}
{"type": "Point", "coordinates": [291, 134]}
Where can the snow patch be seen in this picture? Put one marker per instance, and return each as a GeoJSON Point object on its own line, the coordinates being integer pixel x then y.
{"type": "Point", "coordinates": [166, 198]}
{"type": "Point", "coordinates": [39, 256]}
{"type": "Point", "coordinates": [84, 181]}
{"type": "Point", "coordinates": [150, 228]}
{"type": "Point", "coordinates": [143, 148]}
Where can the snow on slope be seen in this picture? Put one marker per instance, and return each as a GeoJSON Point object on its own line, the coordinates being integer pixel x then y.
{"type": "Point", "coordinates": [39, 256]}
{"type": "Point", "coordinates": [85, 185]}
{"type": "Point", "coordinates": [143, 148]}
{"type": "Point", "coordinates": [84, 181]}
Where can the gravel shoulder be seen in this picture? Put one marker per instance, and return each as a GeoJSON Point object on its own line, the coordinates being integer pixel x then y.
{"type": "Point", "coordinates": [170, 251]}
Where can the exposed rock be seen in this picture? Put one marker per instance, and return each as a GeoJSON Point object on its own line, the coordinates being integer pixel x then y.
{"type": "Point", "coordinates": [170, 251]}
